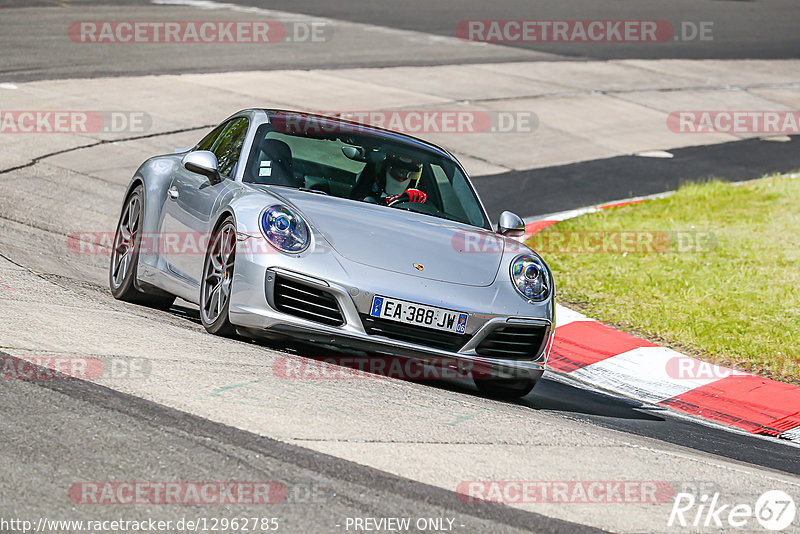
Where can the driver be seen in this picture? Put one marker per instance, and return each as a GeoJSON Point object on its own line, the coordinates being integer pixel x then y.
{"type": "Point", "coordinates": [396, 179]}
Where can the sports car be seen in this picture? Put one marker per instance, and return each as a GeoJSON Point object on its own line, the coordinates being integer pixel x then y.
{"type": "Point", "coordinates": [282, 224]}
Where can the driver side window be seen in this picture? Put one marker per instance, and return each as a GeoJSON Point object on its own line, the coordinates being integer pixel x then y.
{"type": "Point", "coordinates": [228, 147]}
{"type": "Point", "coordinates": [226, 141]}
{"type": "Point", "coordinates": [208, 141]}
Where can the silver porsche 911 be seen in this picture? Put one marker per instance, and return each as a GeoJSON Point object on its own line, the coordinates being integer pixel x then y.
{"type": "Point", "coordinates": [283, 224]}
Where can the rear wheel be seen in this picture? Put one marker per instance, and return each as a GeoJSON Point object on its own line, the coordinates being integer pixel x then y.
{"type": "Point", "coordinates": [215, 286]}
{"type": "Point", "coordinates": [125, 256]}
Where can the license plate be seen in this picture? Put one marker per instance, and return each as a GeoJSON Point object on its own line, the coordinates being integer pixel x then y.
{"type": "Point", "coordinates": [418, 314]}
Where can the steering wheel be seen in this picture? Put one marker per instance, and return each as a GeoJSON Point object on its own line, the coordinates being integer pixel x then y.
{"type": "Point", "coordinates": [417, 207]}
{"type": "Point", "coordinates": [404, 197]}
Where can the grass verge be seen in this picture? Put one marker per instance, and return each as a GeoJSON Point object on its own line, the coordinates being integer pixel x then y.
{"type": "Point", "coordinates": [713, 270]}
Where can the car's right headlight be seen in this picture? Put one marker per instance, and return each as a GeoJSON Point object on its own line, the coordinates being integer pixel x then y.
{"type": "Point", "coordinates": [285, 229]}
{"type": "Point", "coordinates": [531, 277]}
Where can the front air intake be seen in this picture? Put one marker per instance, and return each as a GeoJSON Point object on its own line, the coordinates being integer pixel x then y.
{"type": "Point", "coordinates": [306, 301]}
{"type": "Point", "coordinates": [514, 342]}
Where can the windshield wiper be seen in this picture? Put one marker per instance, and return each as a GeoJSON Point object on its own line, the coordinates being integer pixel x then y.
{"type": "Point", "coordinates": [317, 191]}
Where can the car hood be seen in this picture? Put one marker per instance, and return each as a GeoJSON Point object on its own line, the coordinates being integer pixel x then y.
{"type": "Point", "coordinates": [401, 241]}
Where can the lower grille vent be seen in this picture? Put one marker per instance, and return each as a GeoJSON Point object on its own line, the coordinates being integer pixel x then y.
{"type": "Point", "coordinates": [513, 342]}
{"type": "Point", "coordinates": [306, 301]}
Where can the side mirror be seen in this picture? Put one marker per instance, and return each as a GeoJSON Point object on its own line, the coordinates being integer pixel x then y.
{"type": "Point", "coordinates": [202, 162]}
{"type": "Point", "coordinates": [510, 225]}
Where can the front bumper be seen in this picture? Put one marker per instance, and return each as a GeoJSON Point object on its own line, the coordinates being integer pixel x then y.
{"type": "Point", "coordinates": [260, 317]}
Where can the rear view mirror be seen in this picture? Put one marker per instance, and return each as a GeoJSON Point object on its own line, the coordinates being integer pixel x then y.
{"type": "Point", "coordinates": [202, 162]}
{"type": "Point", "coordinates": [356, 153]}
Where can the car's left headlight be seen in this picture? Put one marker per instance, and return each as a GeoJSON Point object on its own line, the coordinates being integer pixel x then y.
{"type": "Point", "coordinates": [285, 229]}
{"type": "Point", "coordinates": [531, 277]}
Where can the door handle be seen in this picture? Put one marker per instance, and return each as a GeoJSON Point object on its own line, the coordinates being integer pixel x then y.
{"type": "Point", "coordinates": [173, 193]}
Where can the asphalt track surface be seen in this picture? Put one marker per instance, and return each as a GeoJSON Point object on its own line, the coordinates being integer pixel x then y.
{"type": "Point", "coordinates": [742, 29]}
{"type": "Point", "coordinates": [75, 424]}
{"type": "Point", "coordinates": [115, 429]}
{"type": "Point", "coordinates": [565, 187]}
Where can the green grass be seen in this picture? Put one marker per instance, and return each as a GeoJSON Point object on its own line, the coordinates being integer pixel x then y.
{"type": "Point", "coordinates": [734, 301]}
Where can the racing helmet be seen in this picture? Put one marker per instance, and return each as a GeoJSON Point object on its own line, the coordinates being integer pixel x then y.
{"type": "Point", "coordinates": [400, 173]}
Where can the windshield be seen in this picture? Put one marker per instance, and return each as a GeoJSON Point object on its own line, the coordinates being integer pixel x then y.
{"type": "Point", "coordinates": [349, 162]}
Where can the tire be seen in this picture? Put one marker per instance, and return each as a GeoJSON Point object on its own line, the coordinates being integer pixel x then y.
{"type": "Point", "coordinates": [215, 285]}
{"type": "Point", "coordinates": [125, 256]}
{"type": "Point", "coordinates": [505, 388]}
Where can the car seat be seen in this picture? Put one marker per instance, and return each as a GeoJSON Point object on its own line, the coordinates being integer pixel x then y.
{"type": "Point", "coordinates": [275, 164]}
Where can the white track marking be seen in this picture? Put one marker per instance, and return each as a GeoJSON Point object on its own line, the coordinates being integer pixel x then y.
{"type": "Point", "coordinates": [642, 373]}
{"type": "Point", "coordinates": [564, 316]}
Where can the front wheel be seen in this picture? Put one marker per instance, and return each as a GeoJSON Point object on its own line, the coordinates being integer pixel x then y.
{"type": "Point", "coordinates": [125, 256]}
{"type": "Point", "coordinates": [215, 287]}
{"type": "Point", "coordinates": [506, 388]}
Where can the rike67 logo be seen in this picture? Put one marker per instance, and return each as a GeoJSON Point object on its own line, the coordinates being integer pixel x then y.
{"type": "Point", "coordinates": [775, 510]}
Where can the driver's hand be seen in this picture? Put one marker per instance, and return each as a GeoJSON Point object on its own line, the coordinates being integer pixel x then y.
{"type": "Point", "coordinates": [414, 195]}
